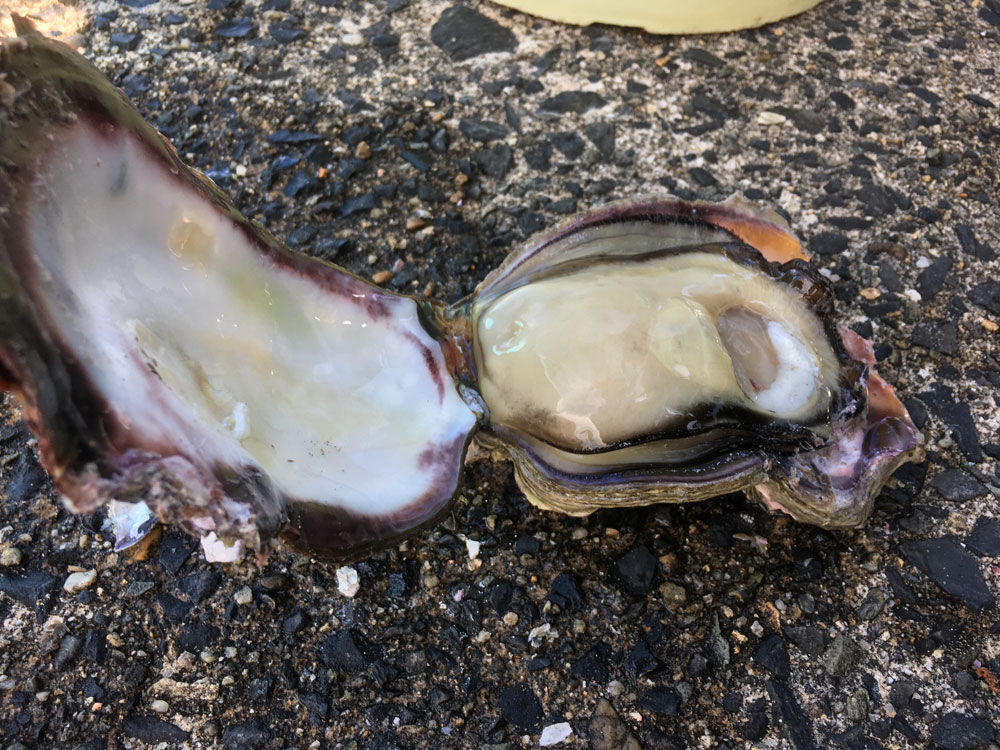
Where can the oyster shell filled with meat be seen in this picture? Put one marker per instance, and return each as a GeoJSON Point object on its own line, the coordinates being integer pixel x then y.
{"type": "Point", "coordinates": [175, 358]}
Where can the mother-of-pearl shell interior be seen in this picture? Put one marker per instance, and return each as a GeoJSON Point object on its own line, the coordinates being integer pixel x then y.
{"type": "Point", "coordinates": [207, 346]}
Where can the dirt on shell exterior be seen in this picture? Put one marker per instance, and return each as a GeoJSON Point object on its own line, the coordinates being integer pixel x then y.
{"type": "Point", "coordinates": [416, 143]}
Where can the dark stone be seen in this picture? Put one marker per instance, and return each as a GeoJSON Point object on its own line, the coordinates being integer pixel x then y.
{"type": "Point", "coordinates": [640, 661]}
{"type": "Point", "coordinates": [250, 734]}
{"type": "Point", "coordinates": [126, 41]}
{"type": "Point", "coordinates": [872, 605]}
{"type": "Point", "coordinates": [932, 278]}
{"type": "Point", "coordinates": [984, 539]}
{"type": "Point", "coordinates": [36, 590]}
{"type": "Point", "coordinates": [696, 667]}
{"type": "Point", "coordinates": [702, 56]}
{"type": "Point", "coordinates": [957, 417]}
{"type": "Point", "coordinates": [841, 656]}
{"type": "Point", "coordinates": [809, 121]}
{"type": "Point", "coordinates": [568, 143]}
{"type": "Point", "coordinates": [848, 223]}
{"type": "Point", "coordinates": [200, 585]}
{"type": "Point", "coordinates": [526, 544]}
{"type": "Point", "coordinates": [788, 714]}
{"type": "Point", "coordinates": [501, 595]}
{"type": "Point", "coordinates": [174, 550]}
{"type": "Point", "coordinates": [293, 622]}
{"type": "Point", "coordinates": [841, 43]}
{"type": "Point", "coordinates": [636, 570]}
{"type": "Point", "coordinates": [482, 130]}
{"type": "Point", "coordinates": [284, 34]}
{"type": "Point", "coordinates": [937, 335]}
{"type": "Point", "coordinates": [952, 568]}
{"type": "Point", "coordinates": [660, 700]}
{"type": "Point", "coordinates": [173, 608]}
{"type": "Point", "coordinates": [314, 704]}
{"type": "Point", "coordinates": [347, 650]}
{"type": "Point", "coordinates": [593, 665]}
{"type": "Point", "coordinates": [293, 136]}
{"type": "Point", "coordinates": [565, 586]}
{"type": "Point", "coordinates": [900, 694]}
{"type": "Point", "coordinates": [383, 672]}
{"type": "Point", "coordinates": [772, 655]}
{"type": "Point", "coordinates": [301, 236]}
{"type": "Point", "coordinates": [889, 278]}
{"type": "Point", "coordinates": [152, 730]}
{"type": "Point", "coordinates": [972, 246]}
{"type": "Point", "coordinates": [69, 648]}
{"type": "Point", "coordinates": [702, 177]}
{"type": "Point", "coordinates": [260, 688]}
{"type": "Point", "coordinates": [906, 729]}
{"type": "Point", "coordinates": [531, 222]}
{"type": "Point", "coordinates": [926, 94]}
{"type": "Point", "coordinates": [520, 706]}
{"type": "Point", "coordinates": [572, 102]}
{"type": "Point", "coordinates": [987, 295]}
{"type": "Point", "coordinates": [602, 135]}
{"type": "Point", "coordinates": [828, 243]}
{"type": "Point", "coordinates": [95, 646]}
{"type": "Point", "coordinates": [494, 162]}
{"type": "Point", "coordinates": [877, 200]}
{"type": "Point", "coordinates": [957, 486]}
{"type": "Point", "coordinates": [756, 725]}
{"type": "Point", "coordinates": [235, 28]}
{"type": "Point", "coordinates": [539, 156]}
{"type": "Point", "coordinates": [358, 204]}
{"type": "Point", "coordinates": [957, 731]}
{"type": "Point", "coordinates": [462, 32]}
{"type": "Point", "coordinates": [929, 215]}
{"type": "Point", "coordinates": [197, 636]}
{"type": "Point", "coordinates": [25, 478]}
{"type": "Point", "coordinates": [900, 588]}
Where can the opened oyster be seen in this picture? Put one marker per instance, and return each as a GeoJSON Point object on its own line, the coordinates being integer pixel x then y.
{"type": "Point", "coordinates": [172, 355]}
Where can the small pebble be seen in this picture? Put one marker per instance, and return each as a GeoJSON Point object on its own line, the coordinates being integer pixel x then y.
{"type": "Point", "coordinates": [243, 596]}
{"type": "Point", "coordinates": [76, 582]}
{"type": "Point", "coordinates": [348, 582]}
{"type": "Point", "coordinates": [10, 557]}
{"type": "Point", "coordinates": [161, 707]}
{"type": "Point", "coordinates": [472, 547]}
{"type": "Point", "coordinates": [771, 118]}
{"type": "Point", "coordinates": [553, 734]}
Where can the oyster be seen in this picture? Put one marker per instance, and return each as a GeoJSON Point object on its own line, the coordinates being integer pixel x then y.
{"type": "Point", "coordinates": [172, 355]}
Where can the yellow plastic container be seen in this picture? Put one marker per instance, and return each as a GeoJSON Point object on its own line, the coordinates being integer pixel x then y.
{"type": "Point", "coordinates": [666, 16]}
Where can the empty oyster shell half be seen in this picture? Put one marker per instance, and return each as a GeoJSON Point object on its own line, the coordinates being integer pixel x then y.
{"type": "Point", "coordinates": [172, 355]}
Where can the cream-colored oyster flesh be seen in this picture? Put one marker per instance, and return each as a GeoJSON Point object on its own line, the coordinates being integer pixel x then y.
{"type": "Point", "coordinates": [617, 351]}
{"type": "Point", "coordinates": [319, 382]}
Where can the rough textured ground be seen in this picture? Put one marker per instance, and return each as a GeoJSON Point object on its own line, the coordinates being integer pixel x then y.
{"type": "Point", "coordinates": [417, 143]}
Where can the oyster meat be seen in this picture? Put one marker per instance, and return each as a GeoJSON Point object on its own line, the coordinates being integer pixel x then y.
{"type": "Point", "coordinates": [175, 358]}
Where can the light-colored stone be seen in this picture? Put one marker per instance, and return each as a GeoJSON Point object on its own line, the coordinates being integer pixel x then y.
{"type": "Point", "coordinates": [771, 118]}
{"type": "Point", "coordinates": [76, 582]}
{"type": "Point", "coordinates": [553, 734]}
{"type": "Point", "coordinates": [243, 596]}
{"type": "Point", "coordinates": [199, 690]}
{"type": "Point", "coordinates": [10, 557]}
{"type": "Point", "coordinates": [348, 582]}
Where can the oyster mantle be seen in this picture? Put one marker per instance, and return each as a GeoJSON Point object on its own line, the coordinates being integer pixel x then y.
{"type": "Point", "coordinates": [169, 352]}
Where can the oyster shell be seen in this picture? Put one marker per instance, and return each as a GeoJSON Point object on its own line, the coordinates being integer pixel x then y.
{"type": "Point", "coordinates": [668, 352]}
{"type": "Point", "coordinates": [172, 355]}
